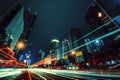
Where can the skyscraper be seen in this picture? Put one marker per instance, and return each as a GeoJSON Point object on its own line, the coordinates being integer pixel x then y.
{"type": "Point", "coordinates": [12, 23]}
{"type": "Point", "coordinates": [97, 15]}
{"type": "Point", "coordinates": [75, 35]}
{"type": "Point", "coordinates": [100, 18]}
{"type": "Point", "coordinates": [65, 47]}
{"type": "Point", "coordinates": [74, 42]}
{"type": "Point", "coordinates": [55, 48]}
{"type": "Point", "coordinates": [29, 20]}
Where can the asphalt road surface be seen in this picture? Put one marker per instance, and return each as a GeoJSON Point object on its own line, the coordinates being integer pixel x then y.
{"type": "Point", "coordinates": [50, 74]}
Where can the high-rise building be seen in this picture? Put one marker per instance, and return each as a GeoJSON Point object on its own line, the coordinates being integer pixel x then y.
{"type": "Point", "coordinates": [12, 25]}
{"type": "Point", "coordinates": [74, 38]}
{"type": "Point", "coordinates": [2, 35]}
{"type": "Point", "coordinates": [41, 54]}
{"type": "Point", "coordinates": [100, 18]}
{"type": "Point", "coordinates": [55, 49]}
{"type": "Point", "coordinates": [65, 47]}
{"type": "Point", "coordinates": [89, 46]}
{"type": "Point", "coordinates": [97, 15]}
{"type": "Point", "coordinates": [29, 20]}
{"type": "Point", "coordinates": [75, 41]}
{"type": "Point", "coordinates": [112, 7]}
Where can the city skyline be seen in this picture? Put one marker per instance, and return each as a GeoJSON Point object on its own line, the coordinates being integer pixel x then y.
{"type": "Point", "coordinates": [61, 20]}
{"type": "Point", "coordinates": [60, 40]}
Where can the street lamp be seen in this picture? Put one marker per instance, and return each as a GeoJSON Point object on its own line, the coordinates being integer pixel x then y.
{"type": "Point", "coordinates": [27, 56]}
{"type": "Point", "coordinates": [25, 61]}
{"type": "Point", "coordinates": [73, 52]}
{"type": "Point", "coordinates": [20, 45]}
{"type": "Point", "coordinates": [100, 14]}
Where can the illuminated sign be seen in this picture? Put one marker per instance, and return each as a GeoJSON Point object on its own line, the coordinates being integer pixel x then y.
{"type": "Point", "coordinates": [79, 53]}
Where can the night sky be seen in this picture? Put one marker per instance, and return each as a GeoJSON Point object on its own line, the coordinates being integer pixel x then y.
{"type": "Point", "coordinates": [55, 18]}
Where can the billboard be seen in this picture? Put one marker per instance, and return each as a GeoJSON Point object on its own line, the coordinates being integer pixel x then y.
{"type": "Point", "coordinates": [79, 53]}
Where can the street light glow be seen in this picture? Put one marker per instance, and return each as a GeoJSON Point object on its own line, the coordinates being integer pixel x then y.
{"type": "Point", "coordinates": [27, 56]}
{"type": "Point", "coordinates": [100, 14]}
{"type": "Point", "coordinates": [25, 61]}
{"type": "Point", "coordinates": [73, 52]}
{"type": "Point", "coordinates": [20, 45]}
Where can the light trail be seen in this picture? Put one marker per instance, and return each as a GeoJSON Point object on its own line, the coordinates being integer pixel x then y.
{"type": "Point", "coordinates": [38, 74]}
{"type": "Point", "coordinates": [78, 74]}
{"type": "Point", "coordinates": [48, 73]}
{"type": "Point", "coordinates": [51, 74]}
{"type": "Point", "coordinates": [11, 72]}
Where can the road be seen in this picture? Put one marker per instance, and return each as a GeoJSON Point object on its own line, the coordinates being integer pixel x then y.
{"type": "Point", "coordinates": [50, 74]}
